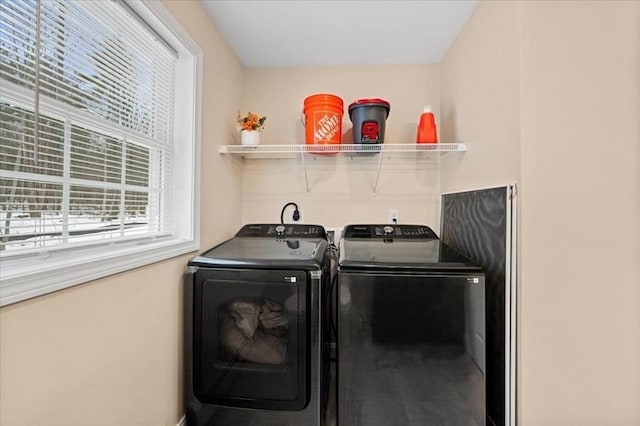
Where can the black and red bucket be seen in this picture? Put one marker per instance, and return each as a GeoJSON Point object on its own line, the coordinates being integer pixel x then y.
{"type": "Point", "coordinates": [369, 117]}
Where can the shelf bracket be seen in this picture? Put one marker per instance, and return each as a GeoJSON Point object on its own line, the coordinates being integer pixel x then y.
{"type": "Point", "coordinates": [375, 185]}
{"type": "Point", "coordinates": [289, 151]}
{"type": "Point", "coordinates": [306, 177]}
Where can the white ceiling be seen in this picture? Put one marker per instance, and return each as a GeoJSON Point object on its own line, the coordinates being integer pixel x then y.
{"type": "Point", "coordinates": [285, 33]}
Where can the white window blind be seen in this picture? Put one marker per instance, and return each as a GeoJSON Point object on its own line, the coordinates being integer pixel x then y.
{"type": "Point", "coordinates": [86, 125]}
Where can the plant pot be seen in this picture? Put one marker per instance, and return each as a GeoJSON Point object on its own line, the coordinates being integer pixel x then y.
{"type": "Point", "coordinates": [250, 137]}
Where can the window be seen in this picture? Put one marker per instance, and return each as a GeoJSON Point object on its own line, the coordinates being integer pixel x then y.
{"type": "Point", "coordinates": [99, 128]}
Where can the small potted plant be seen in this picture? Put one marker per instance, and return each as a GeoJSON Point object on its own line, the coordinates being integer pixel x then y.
{"type": "Point", "coordinates": [251, 125]}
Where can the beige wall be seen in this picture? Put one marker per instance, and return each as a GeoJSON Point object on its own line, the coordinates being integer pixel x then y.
{"type": "Point", "coordinates": [580, 293]}
{"type": "Point", "coordinates": [481, 99]}
{"type": "Point", "coordinates": [109, 352]}
{"type": "Point", "coordinates": [342, 189]}
{"type": "Point", "coordinates": [103, 353]}
{"type": "Point", "coordinates": [548, 94]}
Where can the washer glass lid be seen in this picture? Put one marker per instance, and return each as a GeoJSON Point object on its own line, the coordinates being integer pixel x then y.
{"type": "Point", "coordinates": [286, 249]}
{"type": "Point", "coordinates": [420, 254]}
{"type": "Point", "coordinates": [406, 251]}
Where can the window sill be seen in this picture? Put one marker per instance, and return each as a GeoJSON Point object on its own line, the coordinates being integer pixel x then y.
{"type": "Point", "coordinates": [27, 277]}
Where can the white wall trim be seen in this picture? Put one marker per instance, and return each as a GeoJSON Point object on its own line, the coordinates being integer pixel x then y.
{"type": "Point", "coordinates": [49, 273]}
{"type": "Point", "coordinates": [511, 306]}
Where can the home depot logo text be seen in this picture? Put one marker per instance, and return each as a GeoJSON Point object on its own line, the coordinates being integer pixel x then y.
{"type": "Point", "coordinates": [326, 127]}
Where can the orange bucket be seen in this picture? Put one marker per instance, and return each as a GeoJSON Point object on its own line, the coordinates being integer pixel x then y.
{"type": "Point", "coordinates": [323, 122]}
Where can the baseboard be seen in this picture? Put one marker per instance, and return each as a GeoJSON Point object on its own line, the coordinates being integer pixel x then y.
{"type": "Point", "coordinates": [182, 422]}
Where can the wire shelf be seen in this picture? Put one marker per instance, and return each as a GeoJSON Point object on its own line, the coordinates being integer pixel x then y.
{"type": "Point", "coordinates": [292, 151]}
{"type": "Point", "coordinates": [341, 148]}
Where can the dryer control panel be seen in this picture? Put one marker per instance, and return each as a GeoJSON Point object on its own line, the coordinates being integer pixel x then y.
{"type": "Point", "coordinates": [276, 230]}
{"type": "Point", "coordinates": [389, 231]}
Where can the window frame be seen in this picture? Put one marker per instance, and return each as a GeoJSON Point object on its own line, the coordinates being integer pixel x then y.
{"type": "Point", "coordinates": [32, 274]}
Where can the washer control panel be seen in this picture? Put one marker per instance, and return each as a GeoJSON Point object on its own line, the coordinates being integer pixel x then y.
{"type": "Point", "coordinates": [276, 230]}
{"type": "Point", "coordinates": [389, 231]}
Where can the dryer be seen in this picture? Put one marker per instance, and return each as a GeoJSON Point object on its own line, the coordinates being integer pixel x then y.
{"type": "Point", "coordinates": [411, 329]}
{"type": "Point", "coordinates": [253, 337]}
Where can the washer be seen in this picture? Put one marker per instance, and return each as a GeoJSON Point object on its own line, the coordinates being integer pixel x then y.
{"type": "Point", "coordinates": [411, 330]}
{"type": "Point", "coordinates": [254, 343]}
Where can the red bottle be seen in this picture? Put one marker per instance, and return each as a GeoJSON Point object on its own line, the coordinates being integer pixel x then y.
{"type": "Point", "coordinates": [427, 132]}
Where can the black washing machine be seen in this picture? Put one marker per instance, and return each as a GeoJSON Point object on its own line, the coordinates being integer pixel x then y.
{"type": "Point", "coordinates": [411, 330]}
{"type": "Point", "coordinates": [254, 338]}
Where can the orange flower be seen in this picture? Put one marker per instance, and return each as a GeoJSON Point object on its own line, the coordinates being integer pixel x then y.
{"type": "Point", "coordinates": [251, 121]}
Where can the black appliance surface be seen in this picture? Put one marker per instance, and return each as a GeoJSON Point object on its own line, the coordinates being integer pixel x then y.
{"type": "Point", "coordinates": [410, 329]}
{"type": "Point", "coordinates": [417, 248]}
{"type": "Point", "coordinates": [254, 352]}
{"type": "Point", "coordinates": [478, 223]}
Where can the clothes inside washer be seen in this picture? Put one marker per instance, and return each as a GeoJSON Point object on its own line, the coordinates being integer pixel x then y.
{"type": "Point", "coordinates": [254, 330]}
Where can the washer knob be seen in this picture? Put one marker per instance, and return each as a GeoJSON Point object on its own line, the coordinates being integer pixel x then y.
{"type": "Point", "coordinates": [280, 229]}
{"type": "Point", "coordinates": [388, 230]}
